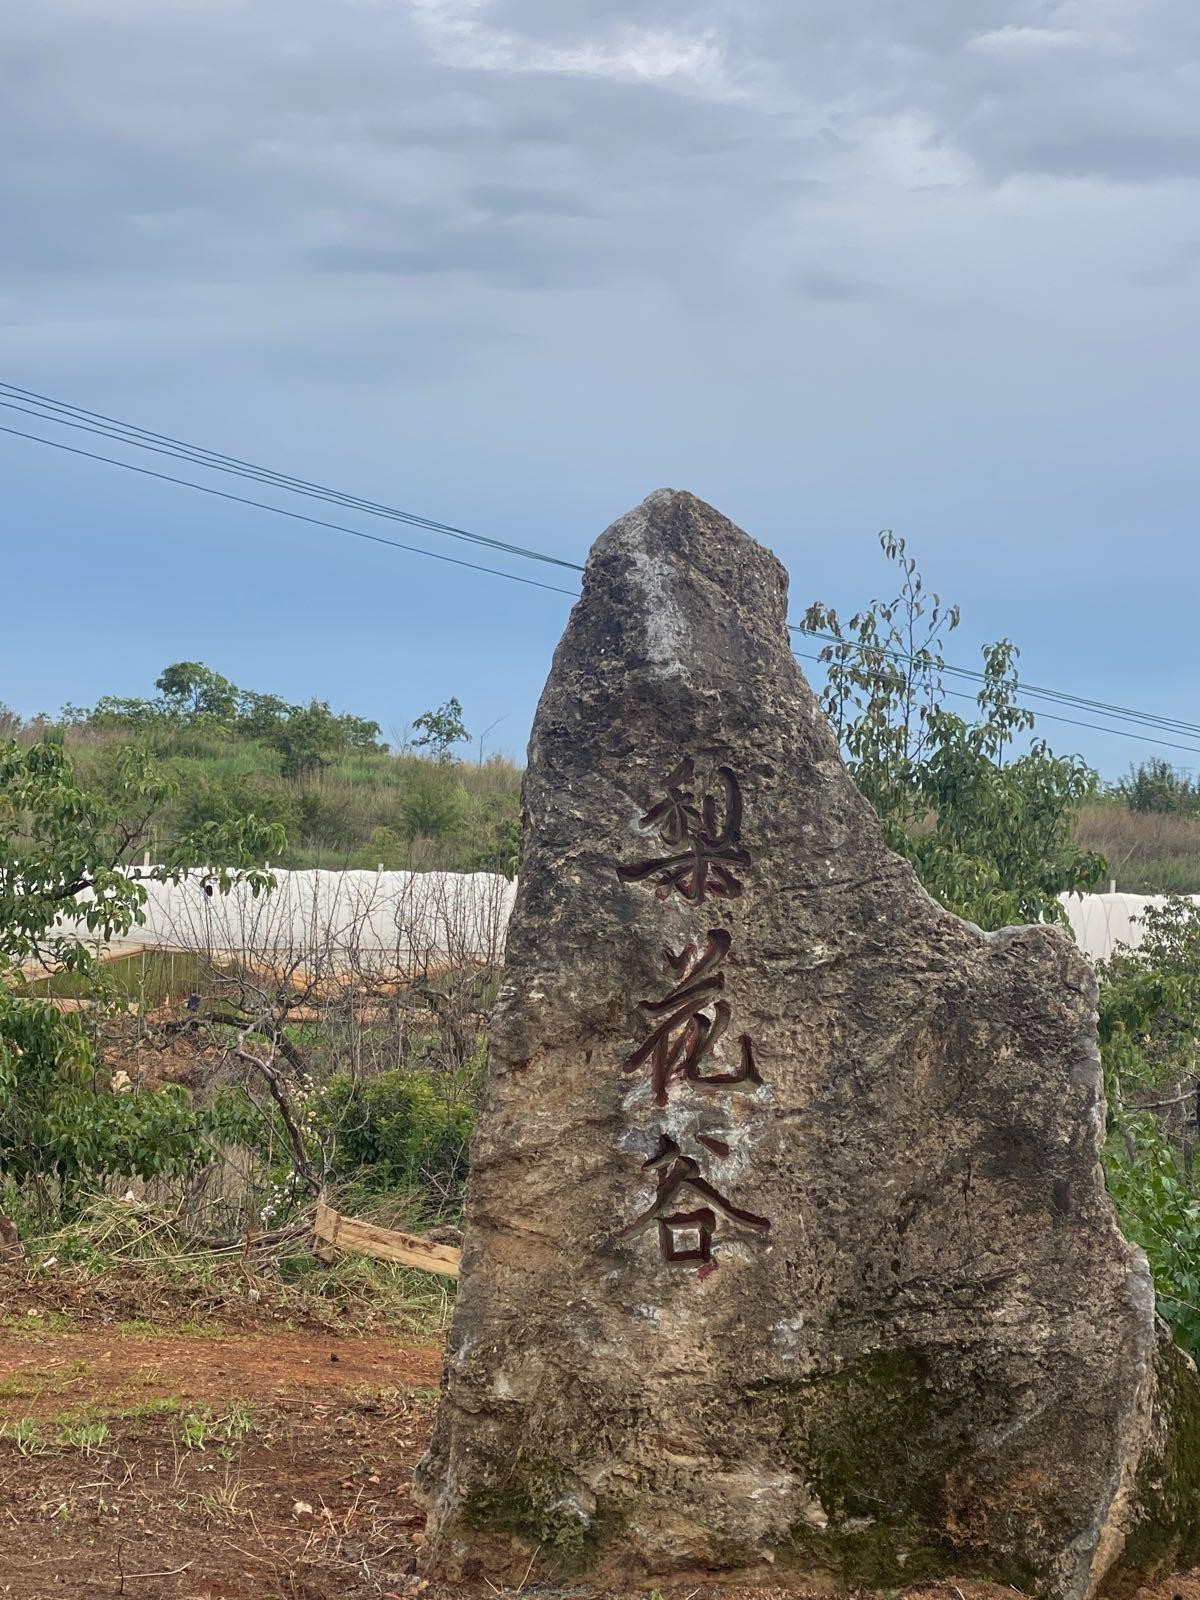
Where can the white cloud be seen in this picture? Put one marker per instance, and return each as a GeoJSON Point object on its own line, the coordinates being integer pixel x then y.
{"type": "Point", "coordinates": [908, 151]}
{"type": "Point", "coordinates": [1014, 38]}
{"type": "Point", "coordinates": [460, 33]}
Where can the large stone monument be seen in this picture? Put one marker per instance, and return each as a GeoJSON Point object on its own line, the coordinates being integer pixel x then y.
{"type": "Point", "coordinates": [788, 1247]}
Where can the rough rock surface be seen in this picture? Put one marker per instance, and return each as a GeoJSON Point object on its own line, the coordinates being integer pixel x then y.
{"type": "Point", "coordinates": [788, 1249]}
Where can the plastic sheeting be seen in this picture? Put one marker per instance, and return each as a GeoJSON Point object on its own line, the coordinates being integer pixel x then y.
{"type": "Point", "coordinates": [430, 918]}
{"type": "Point", "coordinates": [1102, 921]}
{"type": "Point", "coordinates": [398, 920]}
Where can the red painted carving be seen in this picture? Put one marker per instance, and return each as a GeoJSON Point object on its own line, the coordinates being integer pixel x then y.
{"type": "Point", "coordinates": [701, 833]}
{"type": "Point", "coordinates": [699, 824]}
{"type": "Point", "coordinates": [691, 1022]}
{"type": "Point", "coordinates": [686, 1235]}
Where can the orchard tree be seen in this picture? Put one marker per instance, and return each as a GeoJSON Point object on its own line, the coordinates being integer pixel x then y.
{"type": "Point", "coordinates": [986, 816]}
{"type": "Point", "coordinates": [65, 875]}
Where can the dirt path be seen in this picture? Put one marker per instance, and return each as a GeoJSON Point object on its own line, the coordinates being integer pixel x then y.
{"type": "Point", "coordinates": [170, 1465]}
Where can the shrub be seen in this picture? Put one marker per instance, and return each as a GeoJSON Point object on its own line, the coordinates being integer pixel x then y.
{"type": "Point", "coordinates": [1149, 1027]}
{"type": "Point", "coordinates": [58, 1122]}
{"type": "Point", "coordinates": [398, 1130]}
{"type": "Point", "coordinates": [435, 803]}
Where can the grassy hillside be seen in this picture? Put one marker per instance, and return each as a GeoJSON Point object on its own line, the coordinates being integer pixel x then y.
{"type": "Point", "coordinates": [343, 798]}
{"type": "Point", "coordinates": [365, 808]}
{"type": "Point", "coordinates": [1148, 852]}
{"type": "Point", "coordinates": [371, 808]}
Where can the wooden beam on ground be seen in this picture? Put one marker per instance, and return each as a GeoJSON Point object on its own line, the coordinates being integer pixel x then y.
{"type": "Point", "coordinates": [334, 1232]}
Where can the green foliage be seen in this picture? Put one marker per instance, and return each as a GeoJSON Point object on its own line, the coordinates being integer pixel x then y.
{"type": "Point", "coordinates": [324, 777]}
{"type": "Point", "coordinates": [1156, 786]}
{"type": "Point", "coordinates": [989, 829]}
{"type": "Point", "coordinates": [397, 1130]}
{"type": "Point", "coordinates": [57, 1121]}
{"type": "Point", "coordinates": [1150, 1003]}
{"type": "Point", "coordinates": [434, 805]}
{"type": "Point", "coordinates": [1154, 1188]}
{"type": "Point", "coordinates": [258, 715]}
{"type": "Point", "coordinates": [307, 739]}
{"type": "Point", "coordinates": [442, 729]}
{"type": "Point", "coordinates": [193, 696]}
{"type": "Point", "coordinates": [500, 848]}
{"type": "Point", "coordinates": [58, 842]}
{"type": "Point", "coordinates": [1149, 1036]}
{"type": "Point", "coordinates": [115, 711]}
{"type": "Point", "coordinates": [193, 692]}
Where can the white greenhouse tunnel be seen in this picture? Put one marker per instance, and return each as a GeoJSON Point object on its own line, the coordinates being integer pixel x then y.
{"type": "Point", "coordinates": [402, 916]}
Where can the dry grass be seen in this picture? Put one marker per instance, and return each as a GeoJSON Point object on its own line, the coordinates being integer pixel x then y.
{"type": "Point", "coordinates": [1147, 852]}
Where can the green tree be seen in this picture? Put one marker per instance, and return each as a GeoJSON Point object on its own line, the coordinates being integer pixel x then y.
{"type": "Point", "coordinates": [117, 711]}
{"type": "Point", "coordinates": [1156, 786]}
{"type": "Point", "coordinates": [308, 739]}
{"type": "Point", "coordinates": [192, 692]}
{"type": "Point", "coordinates": [442, 729]}
{"type": "Point", "coordinates": [988, 827]}
{"type": "Point", "coordinates": [63, 854]}
{"type": "Point", "coordinates": [259, 715]}
{"type": "Point", "coordinates": [360, 733]}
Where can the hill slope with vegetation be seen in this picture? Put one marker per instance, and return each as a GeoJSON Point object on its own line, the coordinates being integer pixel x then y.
{"type": "Point", "coordinates": [342, 796]}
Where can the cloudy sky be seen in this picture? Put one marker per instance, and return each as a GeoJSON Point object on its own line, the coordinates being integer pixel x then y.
{"type": "Point", "coordinates": [835, 265]}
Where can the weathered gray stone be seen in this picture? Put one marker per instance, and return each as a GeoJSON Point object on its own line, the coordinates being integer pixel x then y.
{"type": "Point", "coordinates": [911, 1338]}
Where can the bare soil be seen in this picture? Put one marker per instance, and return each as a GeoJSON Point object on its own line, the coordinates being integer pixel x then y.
{"type": "Point", "coordinates": [238, 1459]}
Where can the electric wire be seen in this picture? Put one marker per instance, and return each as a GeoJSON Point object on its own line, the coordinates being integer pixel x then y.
{"type": "Point", "coordinates": [1050, 716]}
{"type": "Point", "coordinates": [95, 422]}
{"type": "Point", "coordinates": [81, 419]}
{"type": "Point", "coordinates": [297, 516]}
{"type": "Point", "coordinates": [133, 434]}
{"type": "Point", "coordinates": [1059, 696]}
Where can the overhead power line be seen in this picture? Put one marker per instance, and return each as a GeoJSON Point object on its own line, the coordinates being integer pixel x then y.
{"type": "Point", "coordinates": [64, 414]}
{"type": "Point", "coordinates": [282, 511]}
{"type": "Point", "coordinates": [1149, 718]}
{"type": "Point", "coordinates": [1050, 716]}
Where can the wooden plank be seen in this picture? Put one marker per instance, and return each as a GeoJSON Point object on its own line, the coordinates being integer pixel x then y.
{"type": "Point", "coordinates": [336, 1232]}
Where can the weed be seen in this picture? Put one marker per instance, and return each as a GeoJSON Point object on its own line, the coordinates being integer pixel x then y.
{"type": "Point", "coordinates": [160, 1406]}
{"type": "Point", "coordinates": [26, 1435]}
{"type": "Point", "coordinates": [199, 1428]}
{"type": "Point", "coordinates": [222, 1501]}
{"type": "Point", "coordinates": [31, 1384]}
{"type": "Point", "coordinates": [238, 1423]}
{"type": "Point", "coordinates": [196, 1429]}
{"type": "Point", "coordinates": [34, 1322]}
{"type": "Point", "coordinates": [83, 1436]}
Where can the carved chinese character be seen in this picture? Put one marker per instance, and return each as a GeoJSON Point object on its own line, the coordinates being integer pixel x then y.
{"type": "Point", "coordinates": [702, 835]}
{"type": "Point", "coordinates": [687, 1235]}
{"type": "Point", "coordinates": [691, 1023]}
